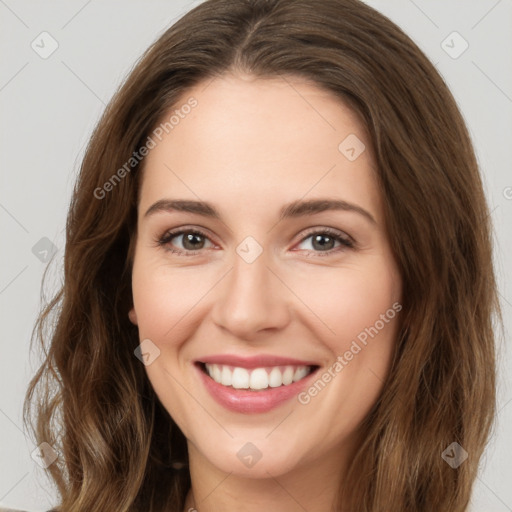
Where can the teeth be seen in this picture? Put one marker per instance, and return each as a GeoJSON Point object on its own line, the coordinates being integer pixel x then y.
{"type": "Point", "coordinates": [217, 373]}
{"type": "Point", "coordinates": [240, 378]}
{"type": "Point", "coordinates": [257, 378]}
{"type": "Point", "coordinates": [300, 373]}
{"type": "Point", "coordinates": [225, 378]}
{"type": "Point", "coordinates": [288, 375]}
{"type": "Point", "coordinates": [275, 379]}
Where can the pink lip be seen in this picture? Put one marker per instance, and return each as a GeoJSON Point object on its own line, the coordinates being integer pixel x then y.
{"type": "Point", "coordinates": [249, 402]}
{"type": "Point", "coordinates": [259, 361]}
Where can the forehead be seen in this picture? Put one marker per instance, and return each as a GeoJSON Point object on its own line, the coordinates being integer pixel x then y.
{"type": "Point", "coordinates": [246, 138]}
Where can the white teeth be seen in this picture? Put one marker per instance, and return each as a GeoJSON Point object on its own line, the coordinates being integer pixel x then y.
{"type": "Point", "coordinates": [240, 378]}
{"type": "Point", "coordinates": [288, 375]}
{"type": "Point", "coordinates": [225, 378]}
{"type": "Point", "coordinates": [300, 373]}
{"type": "Point", "coordinates": [257, 378]}
{"type": "Point", "coordinates": [217, 373]}
{"type": "Point", "coordinates": [275, 379]}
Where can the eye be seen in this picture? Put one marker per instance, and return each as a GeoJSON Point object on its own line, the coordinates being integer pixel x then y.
{"type": "Point", "coordinates": [326, 241]}
{"type": "Point", "coordinates": [190, 240]}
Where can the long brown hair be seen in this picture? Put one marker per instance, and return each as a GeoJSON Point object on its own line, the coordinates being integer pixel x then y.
{"type": "Point", "coordinates": [93, 402]}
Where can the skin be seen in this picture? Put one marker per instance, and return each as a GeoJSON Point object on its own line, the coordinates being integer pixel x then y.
{"type": "Point", "coordinates": [250, 147]}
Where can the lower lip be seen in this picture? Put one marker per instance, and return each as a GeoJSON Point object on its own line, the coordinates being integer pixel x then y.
{"type": "Point", "coordinates": [248, 402]}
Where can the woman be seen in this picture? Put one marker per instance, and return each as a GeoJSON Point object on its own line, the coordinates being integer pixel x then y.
{"type": "Point", "coordinates": [278, 289]}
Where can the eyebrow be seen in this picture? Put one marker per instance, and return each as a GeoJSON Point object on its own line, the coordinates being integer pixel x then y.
{"type": "Point", "coordinates": [294, 209]}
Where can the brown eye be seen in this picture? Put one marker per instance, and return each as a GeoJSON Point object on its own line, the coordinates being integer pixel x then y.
{"type": "Point", "coordinates": [326, 241]}
{"type": "Point", "coordinates": [192, 241]}
{"type": "Point", "coordinates": [185, 241]}
{"type": "Point", "coordinates": [321, 242]}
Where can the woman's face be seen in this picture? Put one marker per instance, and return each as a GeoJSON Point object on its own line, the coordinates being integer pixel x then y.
{"type": "Point", "coordinates": [284, 267]}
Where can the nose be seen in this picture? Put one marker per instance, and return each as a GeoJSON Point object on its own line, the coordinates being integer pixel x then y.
{"type": "Point", "coordinates": [251, 299]}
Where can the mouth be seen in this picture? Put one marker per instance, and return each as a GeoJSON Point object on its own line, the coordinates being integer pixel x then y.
{"type": "Point", "coordinates": [254, 385]}
{"type": "Point", "coordinates": [256, 379]}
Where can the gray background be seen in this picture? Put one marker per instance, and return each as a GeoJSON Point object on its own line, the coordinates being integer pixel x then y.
{"type": "Point", "coordinates": [49, 107]}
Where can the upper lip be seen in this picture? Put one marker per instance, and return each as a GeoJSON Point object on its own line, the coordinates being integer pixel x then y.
{"type": "Point", "coordinates": [258, 361]}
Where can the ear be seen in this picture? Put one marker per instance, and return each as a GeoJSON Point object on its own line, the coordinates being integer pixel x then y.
{"type": "Point", "coordinates": [132, 316]}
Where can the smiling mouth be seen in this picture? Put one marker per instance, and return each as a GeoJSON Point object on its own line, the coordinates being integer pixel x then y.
{"type": "Point", "coordinates": [256, 379]}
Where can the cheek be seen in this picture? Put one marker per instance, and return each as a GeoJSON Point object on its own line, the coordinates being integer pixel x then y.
{"type": "Point", "coordinates": [349, 301]}
{"type": "Point", "coordinates": [361, 308]}
{"type": "Point", "coordinates": [163, 297]}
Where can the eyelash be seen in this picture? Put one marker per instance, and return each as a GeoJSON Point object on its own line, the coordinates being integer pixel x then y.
{"type": "Point", "coordinates": [346, 242]}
